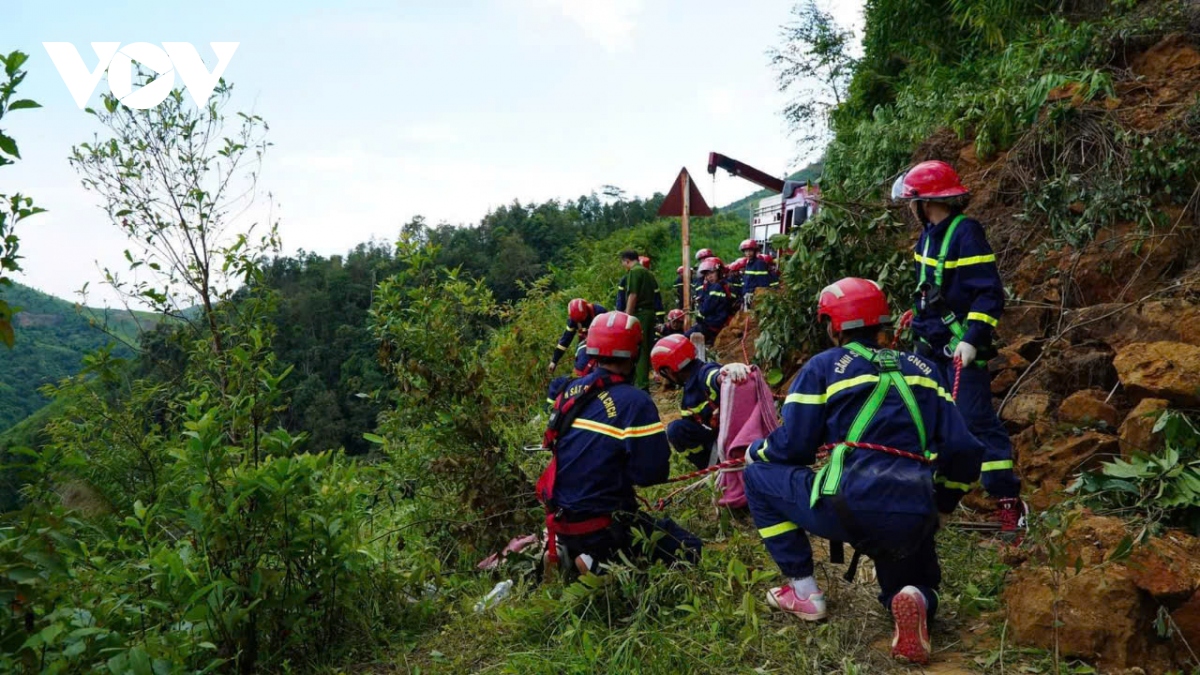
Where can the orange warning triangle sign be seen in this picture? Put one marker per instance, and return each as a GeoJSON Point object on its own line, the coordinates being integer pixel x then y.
{"type": "Point", "coordinates": [673, 204]}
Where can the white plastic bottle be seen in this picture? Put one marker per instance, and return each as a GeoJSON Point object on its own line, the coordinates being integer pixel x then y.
{"type": "Point", "coordinates": [499, 593]}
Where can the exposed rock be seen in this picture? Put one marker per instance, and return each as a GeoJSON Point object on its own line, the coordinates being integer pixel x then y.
{"type": "Point", "coordinates": [1097, 615]}
{"type": "Point", "coordinates": [1137, 431]}
{"type": "Point", "coordinates": [1079, 366]}
{"type": "Point", "coordinates": [1048, 466]}
{"type": "Point", "coordinates": [1088, 407]}
{"type": "Point", "coordinates": [1169, 370]}
{"type": "Point", "coordinates": [1187, 619]}
{"type": "Point", "coordinates": [1024, 322]}
{"type": "Point", "coordinates": [1173, 320]}
{"type": "Point", "coordinates": [1003, 381]}
{"type": "Point", "coordinates": [1025, 408]}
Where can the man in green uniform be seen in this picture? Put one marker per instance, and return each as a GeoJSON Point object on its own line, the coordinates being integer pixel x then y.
{"type": "Point", "coordinates": [641, 289]}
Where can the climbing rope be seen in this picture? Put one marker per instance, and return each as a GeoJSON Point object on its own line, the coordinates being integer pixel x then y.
{"type": "Point", "coordinates": [745, 329]}
{"type": "Point", "coordinates": [958, 368]}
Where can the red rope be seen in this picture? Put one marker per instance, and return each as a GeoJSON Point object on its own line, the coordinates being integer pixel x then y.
{"type": "Point", "coordinates": [730, 464]}
{"type": "Point", "coordinates": [958, 368]}
{"type": "Point", "coordinates": [745, 329]}
{"type": "Point", "coordinates": [877, 448]}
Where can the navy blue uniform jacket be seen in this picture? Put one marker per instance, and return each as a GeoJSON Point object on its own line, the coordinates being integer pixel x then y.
{"type": "Point", "coordinates": [617, 442]}
{"type": "Point", "coordinates": [821, 406]}
{"type": "Point", "coordinates": [574, 330]}
{"type": "Point", "coordinates": [971, 284]}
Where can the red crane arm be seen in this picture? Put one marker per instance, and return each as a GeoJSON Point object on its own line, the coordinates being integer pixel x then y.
{"type": "Point", "coordinates": [717, 160]}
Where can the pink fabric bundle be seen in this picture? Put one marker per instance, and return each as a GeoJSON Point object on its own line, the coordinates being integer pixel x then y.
{"type": "Point", "coordinates": [747, 414]}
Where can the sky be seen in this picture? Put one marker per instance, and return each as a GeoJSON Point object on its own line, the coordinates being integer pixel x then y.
{"type": "Point", "coordinates": [380, 111]}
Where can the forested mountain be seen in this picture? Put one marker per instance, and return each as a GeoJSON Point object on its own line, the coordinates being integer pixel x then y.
{"type": "Point", "coordinates": [53, 336]}
{"type": "Point", "coordinates": [304, 473]}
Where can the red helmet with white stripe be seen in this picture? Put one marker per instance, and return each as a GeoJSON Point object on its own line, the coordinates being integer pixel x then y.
{"type": "Point", "coordinates": [672, 353]}
{"type": "Point", "coordinates": [614, 335]}
{"type": "Point", "coordinates": [675, 315]}
{"type": "Point", "coordinates": [853, 303]}
{"type": "Point", "coordinates": [749, 245]}
{"type": "Point", "coordinates": [929, 180]}
{"type": "Point", "coordinates": [680, 270]}
{"type": "Point", "coordinates": [736, 266]}
{"type": "Point", "coordinates": [580, 311]}
{"type": "Point", "coordinates": [704, 253]}
{"type": "Point", "coordinates": [711, 264]}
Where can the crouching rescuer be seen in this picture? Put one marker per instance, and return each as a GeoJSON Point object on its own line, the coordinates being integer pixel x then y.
{"type": "Point", "coordinates": [606, 438]}
{"type": "Point", "coordinates": [696, 431]}
{"type": "Point", "coordinates": [898, 454]}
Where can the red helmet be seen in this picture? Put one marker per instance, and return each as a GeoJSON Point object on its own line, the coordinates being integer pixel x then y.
{"type": "Point", "coordinates": [704, 253]}
{"type": "Point", "coordinates": [853, 303]}
{"type": "Point", "coordinates": [710, 264]}
{"type": "Point", "coordinates": [680, 270]}
{"type": "Point", "coordinates": [749, 245]}
{"type": "Point", "coordinates": [675, 315]}
{"type": "Point", "coordinates": [580, 311]}
{"type": "Point", "coordinates": [614, 335]}
{"type": "Point", "coordinates": [770, 259]}
{"type": "Point", "coordinates": [737, 265]}
{"type": "Point", "coordinates": [672, 353]}
{"type": "Point", "coordinates": [644, 261]}
{"type": "Point", "coordinates": [929, 180]}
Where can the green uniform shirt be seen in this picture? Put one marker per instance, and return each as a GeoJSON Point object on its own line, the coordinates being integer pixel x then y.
{"type": "Point", "coordinates": [639, 281]}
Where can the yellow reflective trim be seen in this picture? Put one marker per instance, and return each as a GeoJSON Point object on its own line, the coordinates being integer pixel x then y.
{"type": "Point", "coordinates": [776, 530]}
{"type": "Point", "coordinates": [620, 434]}
{"type": "Point", "coordinates": [933, 457]}
{"type": "Point", "coordinates": [973, 260]}
{"type": "Point", "coordinates": [980, 316]}
{"type": "Point", "coordinates": [756, 272]}
{"type": "Point", "coordinates": [762, 451]}
{"type": "Point", "coordinates": [928, 383]}
{"type": "Point", "coordinates": [999, 465]}
{"type": "Point", "coordinates": [932, 262]}
{"type": "Point", "coordinates": [852, 382]}
{"type": "Point", "coordinates": [807, 399]}
{"type": "Point", "coordinates": [956, 486]}
{"type": "Point", "coordinates": [562, 348]}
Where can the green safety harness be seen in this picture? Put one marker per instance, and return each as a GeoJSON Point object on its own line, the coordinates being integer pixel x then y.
{"type": "Point", "coordinates": [930, 295]}
{"type": "Point", "coordinates": [887, 364]}
{"type": "Point", "coordinates": [829, 477]}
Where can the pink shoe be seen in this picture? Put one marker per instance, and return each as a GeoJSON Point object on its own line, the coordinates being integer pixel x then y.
{"type": "Point", "coordinates": [910, 642]}
{"type": "Point", "coordinates": [785, 599]}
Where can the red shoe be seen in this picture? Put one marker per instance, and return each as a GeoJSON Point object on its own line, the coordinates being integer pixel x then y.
{"type": "Point", "coordinates": [910, 641]}
{"type": "Point", "coordinates": [785, 599]}
{"type": "Point", "coordinates": [1012, 515]}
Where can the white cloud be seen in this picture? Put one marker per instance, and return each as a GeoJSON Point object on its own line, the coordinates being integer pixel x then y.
{"type": "Point", "coordinates": [610, 23]}
{"type": "Point", "coordinates": [721, 103]}
{"type": "Point", "coordinates": [430, 134]}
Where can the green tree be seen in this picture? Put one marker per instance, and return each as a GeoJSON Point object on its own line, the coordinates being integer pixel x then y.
{"type": "Point", "coordinates": [16, 207]}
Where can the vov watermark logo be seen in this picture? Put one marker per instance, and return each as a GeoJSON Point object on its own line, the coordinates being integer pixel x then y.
{"type": "Point", "coordinates": [172, 58]}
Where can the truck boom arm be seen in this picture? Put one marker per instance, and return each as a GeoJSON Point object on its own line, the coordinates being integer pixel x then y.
{"type": "Point", "coordinates": [762, 179]}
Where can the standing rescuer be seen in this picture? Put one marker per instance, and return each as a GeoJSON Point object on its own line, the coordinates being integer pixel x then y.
{"type": "Point", "coordinates": [606, 437]}
{"type": "Point", "coordinates": [714, 302]}
{"type": "Point", "coordinates": [958, 303]}
{"type": "Point", "coordinates": [885, 499]}
{"type": "Point", "coordinates": [641, 291]}
{"type": "Point", "coordinates": [756, 271]}
{"type": "Point", "coordinates": [580, 313]}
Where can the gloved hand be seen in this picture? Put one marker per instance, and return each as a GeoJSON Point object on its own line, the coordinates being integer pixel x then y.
{"type": "Point", "coordinates": [738, 372]}
{"type": "Point", "coordinates": [553, 365]}
{"type": "Point", "coordinates": [752, 451]}
{"type": "Point", "coordinates": [965, 353]}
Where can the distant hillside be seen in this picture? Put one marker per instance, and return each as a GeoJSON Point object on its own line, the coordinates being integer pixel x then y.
{"type": "Point", "coordinates": [744, 206]}
{"type": "Point", "coordinates": [52, 337]}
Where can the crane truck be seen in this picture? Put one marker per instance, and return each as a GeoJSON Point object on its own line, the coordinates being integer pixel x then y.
{"type": "Point", "coordinates": [798, 200]}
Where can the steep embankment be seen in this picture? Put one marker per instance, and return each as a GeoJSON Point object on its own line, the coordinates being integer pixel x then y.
{"type": "Point", "coordinates": [1101, 336]}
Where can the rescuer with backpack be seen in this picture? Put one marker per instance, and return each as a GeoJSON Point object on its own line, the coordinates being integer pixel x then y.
{"type": "Point", "coordinates": [696, 430]}
{"type": "Point", "coordinates": [958, 303]}
{"type": "Point", "coordinates": [714, 302]}
{"type": "Point", "coordinates": [580, 313]}
{"type": "Point", "coordinates": [899, 454]}
{"type": "Point", "coordinates": [606, 438]}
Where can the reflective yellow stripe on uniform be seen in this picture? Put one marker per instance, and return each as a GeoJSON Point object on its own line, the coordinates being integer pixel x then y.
{"type": "Point", "coordinates": [999, 465]}
{"type": "Point", "coordinates": [980, 316]}
{"type": "Point", "coordinates": [961, 262]}
{"type": "Point", "coordinates": [776, 530]}
{"type": "Point", "coordinates": [836, 387]}
{"type": "Point", "coordinates": [928, 383]}
{"type": "Point", "coordinates": [762, 451]}
{"type": "Point", "coordinates": [621, 434]}
{"type": "Point", "coordinates": [953, 485]}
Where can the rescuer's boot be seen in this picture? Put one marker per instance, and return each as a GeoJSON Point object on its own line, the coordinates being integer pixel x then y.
{"type": "Point", "coordinates": [910, 641]}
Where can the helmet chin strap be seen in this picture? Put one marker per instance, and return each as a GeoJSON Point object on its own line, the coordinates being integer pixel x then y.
{"type": "Point", "coordinates": [921, 215]}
